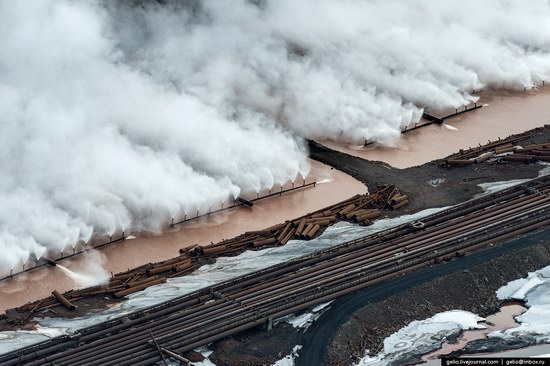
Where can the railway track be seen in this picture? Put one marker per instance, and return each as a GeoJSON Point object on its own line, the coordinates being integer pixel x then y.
{"type": "Point", "coordinates": [215, 312]}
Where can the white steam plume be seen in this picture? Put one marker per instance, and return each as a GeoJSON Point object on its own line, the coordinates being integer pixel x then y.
{"type": "Point", "coordinates": [339, 69]}
{"type": "Point", "coordinates": [90, 272]}
{"type": "Point", "coordinates": [120, 115]}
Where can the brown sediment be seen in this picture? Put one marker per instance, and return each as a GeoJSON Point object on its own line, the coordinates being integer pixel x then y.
{"type": "Point", "coordinates": [506, 113]}
{"type": "Point", "coordinates": [144, 254]}
{"type": "Point", "coordinates": [333, 186]}
{"type": "Point", "coordinates": [452, 191]}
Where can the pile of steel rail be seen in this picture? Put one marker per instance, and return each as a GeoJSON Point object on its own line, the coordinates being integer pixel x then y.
{"type": "Point", "coordinates": [361, 209]}
{"type": "Point", "coordinates": [215, 312]}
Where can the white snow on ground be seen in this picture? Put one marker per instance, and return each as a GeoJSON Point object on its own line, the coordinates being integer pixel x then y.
{"type": "Point", "coordinates": [205, 362]}
{"type": "Point", "coordinates": [303, 321]}
{"type": "Point", "coordinates": [289, 359]}
{"type": "Point", "coordinates": [436, 182]}
{"type": "Point", "coordinates": [205, 352]}
{"type": "Point", "coordinates": [535, 291]}
{"type": "Point", "coordinates": [224, 269]}
{"type": "Point", "coordinates": [423, 336]}
{"type": "Point", "coordinates": [493, 187]}
{"type": "Point", "coordinates": [13, 340]}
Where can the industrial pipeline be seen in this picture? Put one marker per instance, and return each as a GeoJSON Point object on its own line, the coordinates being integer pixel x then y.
{"type": "Point", "coordinates": [84, 247]}
{"type": "Point", "coordinates": [217, 311]}
{"type": "Point", "coordinates": [361, 209]}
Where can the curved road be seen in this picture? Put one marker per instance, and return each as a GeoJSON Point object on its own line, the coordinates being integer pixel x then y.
{"type": "Point", "coordinates": [316, 340]}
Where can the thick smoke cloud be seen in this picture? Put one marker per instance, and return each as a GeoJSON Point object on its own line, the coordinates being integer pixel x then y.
{"type": "Point", "coordinates": [119, 115]}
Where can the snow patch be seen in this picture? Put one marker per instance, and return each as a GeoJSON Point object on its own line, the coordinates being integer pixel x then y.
{"type": "Point", "coordinates": [493, 187]}
{"type": "Point", "coordinates": [423, 336]}
{"type": "Point", "coordinates": [436, 182]}
{"type": "Point", "coordinates": [289, 359]}
{"type": "Point", "coordinates": [534, 290]}
{"type": "Point", "coordinates": [303, 321]}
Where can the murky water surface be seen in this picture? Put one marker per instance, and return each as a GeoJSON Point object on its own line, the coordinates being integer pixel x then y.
{"type": "Point", "coordinates": [505, 113]}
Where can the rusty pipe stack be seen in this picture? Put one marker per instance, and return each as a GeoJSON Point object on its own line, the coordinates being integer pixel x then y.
{"type": "Point", "coordinates": [485, 152]}
{"type": "Point", "coordinates": [227, 308]}
{"type": "Point", "coordinates": [530, 153]}
{"type": "Point", "coordinates": [399, 200]}
{"type": "Point", "coordinates": [119, 285]}
{"type": "Point", "coordinates": [63, 300]}
{"type": "Point", "coordinates": [503, 150]}
{"type": "Point", "coordinates": [361, 209]}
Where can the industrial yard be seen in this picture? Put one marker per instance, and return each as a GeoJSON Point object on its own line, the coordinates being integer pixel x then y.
{"type": "Point", "coordinates": [273, 183]}
{"type": "Point", "coordinates": [419, 250]}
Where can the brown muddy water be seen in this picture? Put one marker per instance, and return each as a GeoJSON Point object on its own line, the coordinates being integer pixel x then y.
{"type": "Point", "coordinates": [506, 113]}
{"type": "Point", "coordinates": [333, 186]}
{"type": "Point", "coordinates": [504, 319]}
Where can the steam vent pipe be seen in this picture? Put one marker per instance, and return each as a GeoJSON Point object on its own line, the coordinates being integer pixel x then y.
{"type": "Point", "coordinates": [245, 202]}
{"type": "Point", "coordinates": [50, 262]}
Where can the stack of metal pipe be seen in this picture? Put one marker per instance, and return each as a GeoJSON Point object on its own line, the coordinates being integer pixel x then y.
{"type": "Point", "coordinates": [530, 153]}
{"type": "Point", "coordinates": [485, 152]}
{"type": "Point", "coordinates": [361, 209]}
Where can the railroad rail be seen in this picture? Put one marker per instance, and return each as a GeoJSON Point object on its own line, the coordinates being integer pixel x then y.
{"type": "Point", "coordinates": [431, 119]}
{"type": "Point", "coordinates": [209, 314]}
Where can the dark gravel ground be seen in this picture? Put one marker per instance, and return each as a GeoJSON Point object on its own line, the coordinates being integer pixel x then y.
{"type": "Point", "coordinates": [362, 320]}
{"type": "Point", "coordinates": [458, 184]}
